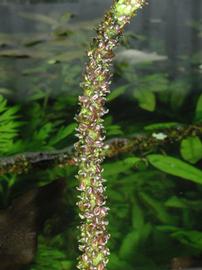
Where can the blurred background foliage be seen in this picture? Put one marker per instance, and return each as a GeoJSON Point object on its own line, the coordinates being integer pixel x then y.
{"type": "Point", "coordinates": [154, 197]}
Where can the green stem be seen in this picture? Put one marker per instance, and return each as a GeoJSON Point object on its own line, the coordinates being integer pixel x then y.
{"type": "Point", "coordinates": [96, 81]}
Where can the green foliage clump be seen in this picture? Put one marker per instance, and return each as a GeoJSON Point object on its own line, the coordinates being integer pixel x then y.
{"type": "Point", "coordinates": [9, 127]}
{"type": "Point", "coordinates": [50, 257]}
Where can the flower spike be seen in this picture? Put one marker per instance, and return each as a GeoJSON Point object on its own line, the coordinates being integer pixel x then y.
{"type": "Point", "coordinates": [91, 134]}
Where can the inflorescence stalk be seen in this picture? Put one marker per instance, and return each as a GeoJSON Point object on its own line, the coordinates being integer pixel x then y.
{"type": "Point", "coordinates": [90, 131]}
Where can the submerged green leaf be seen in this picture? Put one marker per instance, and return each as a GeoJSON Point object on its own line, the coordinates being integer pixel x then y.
{"type": "Point", "coordinates": [5, 91]}
{"type": "Point", "coordinates": [137, 216]}
{"type": "Point", "coordinates": [176, 202]}
{"type": "Point", "coordinates": [179, 90]}
{"type": "Point", "coordinates": [117, 92]}
{"type": "Point", "coordinates": [158, 208]}
{"type": "Point", "coordinates": [40, 18]}
{"type": "Point", "coordinates": [24, 53]}
{"type": "Point", "coordinates": [115, 263]}
{"type": "Point", "coordinates": [188, 237]}
{"type": "Point", "coordinates": [176, 167]}
{"type": "Point", "coordinates": [198, 111]}
{"type": "Point", "coordinates": [154, 83]}
{"type": "Point", "coordinates": [191, 149]}
{"type": "Point", "coordinates": [43, 133]}
{"type": "Point", "coordinates": [62, 133]}
{"type": "Point", "coordinates": [191, 238]}
{"type": "Point", "coordinates": [133, 240]}
{"type": "Point", "coordinates": [157, 126]}
{"type": "Point", "coordinates": [146, 100]}
{"type": "Point", "coordinates": [120, 166]}
{"type": "Point", "coordinates": [129, 245]}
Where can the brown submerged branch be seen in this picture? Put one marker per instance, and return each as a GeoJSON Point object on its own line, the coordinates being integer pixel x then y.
{"type": "Point", "coordinates": [137, 144]}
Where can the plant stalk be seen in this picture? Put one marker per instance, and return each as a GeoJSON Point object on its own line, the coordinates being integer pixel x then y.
{"type": "Point", "coordinates": [96, 80]}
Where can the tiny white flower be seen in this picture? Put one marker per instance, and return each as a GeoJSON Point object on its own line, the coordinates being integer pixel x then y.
{"type": "Point", "coordinates": [159, 136]}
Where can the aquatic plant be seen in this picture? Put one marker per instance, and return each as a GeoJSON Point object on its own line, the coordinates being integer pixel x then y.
{"type": "Point", "coordinates": [93, 212]}
{"type": "Point", "coordinates": [153, 163]}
